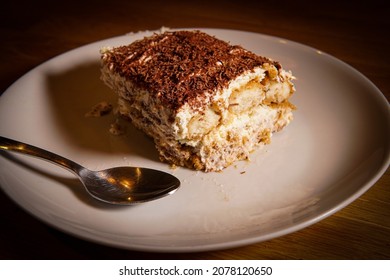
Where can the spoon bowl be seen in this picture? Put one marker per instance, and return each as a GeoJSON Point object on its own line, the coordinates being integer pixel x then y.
{"type": "Point", "coordinates": [128, 185]}
{"type": "Point", "coordinates": [119, 185]}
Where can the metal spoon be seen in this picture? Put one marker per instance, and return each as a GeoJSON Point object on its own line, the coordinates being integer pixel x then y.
{"type": "Point", "coordinates": [118, 185]}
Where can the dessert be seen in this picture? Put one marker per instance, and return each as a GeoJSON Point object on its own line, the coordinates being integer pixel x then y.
{"type": "Point", "coordinates": [206, 103]}
{"type": "Point", "coordinates": [100, 109]}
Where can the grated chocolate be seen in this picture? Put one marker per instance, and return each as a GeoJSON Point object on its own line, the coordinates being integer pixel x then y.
{"type": "Point", "coordinates": [183, 66]}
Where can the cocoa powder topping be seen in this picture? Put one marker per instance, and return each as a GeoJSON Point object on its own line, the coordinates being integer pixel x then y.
{"type": "Point", "coordinates": [183, 66]}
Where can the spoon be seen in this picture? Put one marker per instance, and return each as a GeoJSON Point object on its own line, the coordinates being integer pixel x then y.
{"type": "Point", "coordinates": [118, 185]}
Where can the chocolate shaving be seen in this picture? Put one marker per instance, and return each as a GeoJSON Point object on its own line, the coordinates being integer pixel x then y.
{"type": "Point", "coordinates": [182, 67]}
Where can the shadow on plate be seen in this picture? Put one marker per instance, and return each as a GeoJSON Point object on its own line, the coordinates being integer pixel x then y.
{"type": "Point", "coordinates": [71, 94]}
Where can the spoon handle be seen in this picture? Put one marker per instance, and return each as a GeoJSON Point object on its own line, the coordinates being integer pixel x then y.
{"type": "Point", "coordinates": [7, 144]}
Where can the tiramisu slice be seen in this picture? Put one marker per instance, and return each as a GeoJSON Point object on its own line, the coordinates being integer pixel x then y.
{"type": "Point", "coordinates": [205, 103]}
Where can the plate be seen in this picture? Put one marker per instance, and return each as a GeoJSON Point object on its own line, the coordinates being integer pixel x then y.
{"type": "Point", "coordinates": [336, 148]}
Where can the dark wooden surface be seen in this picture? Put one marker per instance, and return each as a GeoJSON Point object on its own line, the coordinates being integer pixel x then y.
{"type": "Point", "coordinates": [357, 33]}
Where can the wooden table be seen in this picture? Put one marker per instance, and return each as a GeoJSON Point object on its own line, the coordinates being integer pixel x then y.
{"type": "Point", "coordinates": [356, 33]}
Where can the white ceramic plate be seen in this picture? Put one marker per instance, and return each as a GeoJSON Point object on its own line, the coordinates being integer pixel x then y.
{"type": "Point", "coordinates": [334, 150]}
